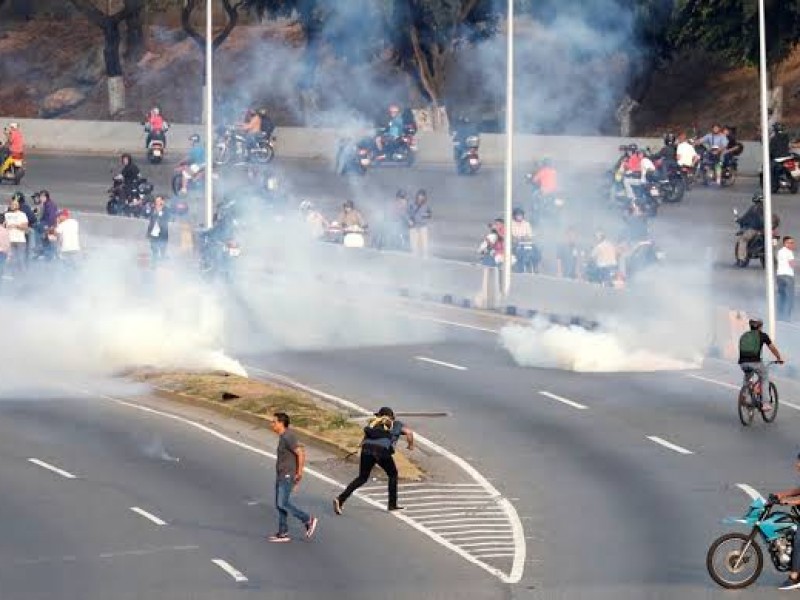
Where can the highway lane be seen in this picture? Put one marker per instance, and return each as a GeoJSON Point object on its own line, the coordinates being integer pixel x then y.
{"type": "Point", "coordinates": [698, 231]}
{"type": "Point", "coordinates": [79, 538]}
{"type": "Point", "coordinates": [609, 510]}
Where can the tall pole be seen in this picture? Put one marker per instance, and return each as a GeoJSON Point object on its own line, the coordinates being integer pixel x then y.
{"type": "Point", "coordinates": [209, 212]}
{"type": "Point", "coordinates": [509, 182]}
{"type": "Point", "coordinates": [767, 170]}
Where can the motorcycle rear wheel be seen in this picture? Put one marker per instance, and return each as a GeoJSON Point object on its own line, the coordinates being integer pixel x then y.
{"type": "Point", "coordinates": [263, 154]}
{"type": "Point", "coordinates": [729, 560]}
{"type": "Point", "coordinates": [177, 183]}
{"type": "Point", "coordinates": [745, 406]}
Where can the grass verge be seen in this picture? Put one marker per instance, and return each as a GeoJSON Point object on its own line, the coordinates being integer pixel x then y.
{"type": "Point", "coordinates": [255, 402]}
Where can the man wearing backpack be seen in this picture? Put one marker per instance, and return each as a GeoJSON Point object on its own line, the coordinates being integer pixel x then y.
{"type": "Point", "coordinates": [750, 345]}
{"type": "Point", "coordinates": [377, 447]}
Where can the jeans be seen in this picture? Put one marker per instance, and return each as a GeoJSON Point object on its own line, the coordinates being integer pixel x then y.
{"type": "Point", "coordinates": [368, 462]}
{"type": "Point", "coordinates": [744, 241]}
{"type": "Point", "coordinates": [158, 249]}
{"type": "Point", "coordinates": [419, 241]}
{"type": "Point", "coordinates": [785, 297]}
{"type": "Point", "coordinates": [763, 372]}
{"type": "Point", "coordinates": [283, 492]}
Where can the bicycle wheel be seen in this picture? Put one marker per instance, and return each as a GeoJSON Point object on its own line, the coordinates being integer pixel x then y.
{"type": "Point", "coordinates": [769, 407]}
{"type": "Point", "coordinates": [746, 408]}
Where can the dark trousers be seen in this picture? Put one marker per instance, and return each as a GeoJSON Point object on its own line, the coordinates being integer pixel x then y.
{"type": "Point", "coordinates": [785, 297]}
{"type": "Point", "coordinates": [158, 249]}
{"type": "Point", "coordinates": [368, 462]}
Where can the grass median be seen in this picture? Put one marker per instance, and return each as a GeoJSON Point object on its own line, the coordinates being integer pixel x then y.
{"type": "Point", "coordinates": [254, 401]}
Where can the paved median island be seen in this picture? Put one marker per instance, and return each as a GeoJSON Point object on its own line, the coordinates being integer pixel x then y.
{"type": "Point", "coordinates": [255, 401]}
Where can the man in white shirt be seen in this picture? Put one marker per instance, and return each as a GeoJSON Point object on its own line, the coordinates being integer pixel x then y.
{"type": "Point", "coordinates": [604, 256]}
{"type": "Point", "coordinates": [785, 273]}
{"type": "Point", "coordinates": [687, 155]}
{"type": "Point", "coordinates": [17, 224]}
{"type": "Point", "coordinates": [67, 232]}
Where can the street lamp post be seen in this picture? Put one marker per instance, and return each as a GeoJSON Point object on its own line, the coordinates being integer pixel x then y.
{"type": "Point", "coordinates": [767, 171]}
{"type": "Point", "coordinates": [509, 183]}
{"type": "Point", "coordinates": [209, 191]}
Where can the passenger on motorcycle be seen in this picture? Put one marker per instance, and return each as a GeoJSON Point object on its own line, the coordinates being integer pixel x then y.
{"type": "Point", "coordinates": [630, 169]}
{"type": "Point", "coordinates": [391, 128]}
{"type": "Point", "coordinates": [522, 246]}
{"type": "Point", "coordinates": [646, 170]}
{"type": "Point", "coordinates": [790, 497]}
{"type": "Point", "coordinates": [195, 162]}
{"type": "Point", "coordinates": [751, 344]}
{"type": "Point", "coordinates": [715, 143]}
{"type": "Point", "coordinates": [267, 126]}
{"type": "Point", "coordinates": [316, 223]}
{"type": "Point", "coordinates": [752, 225]}
{"type": "Point", "coordinates": [545, 177]}
{"type": "Point", "coordinates": [735, 147]}
{"type": "Point", "coordinates": [668, 155]}
{"type": "Point", "coordinates": [350, 218]}
{"type": "Point", "coordinates": [686, 154]}
{"type": "Point", "coordinates": [14, 148]}
{"type": "Point", "coordinates": [156, 127]}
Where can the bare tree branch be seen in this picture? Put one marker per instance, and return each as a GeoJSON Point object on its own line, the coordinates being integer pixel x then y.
{"type": "Point", "coordinates": [231, 11]}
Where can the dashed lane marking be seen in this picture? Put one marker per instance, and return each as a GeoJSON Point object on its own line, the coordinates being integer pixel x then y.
{"type": "Point", "coordinates": [669, 445]}
{"type": "Point", "coordinates": [149, 516]}
{"type": "Point", "coordinates": [563, 400]}
{"type": "Point", "coordinates": [49, 467]}
{"type": "Point", "coordinates": [730, 386]}
{"type": "Point", "coordinates": [237, 575]}
{"type": "Point", "coordinates": [440, 363]}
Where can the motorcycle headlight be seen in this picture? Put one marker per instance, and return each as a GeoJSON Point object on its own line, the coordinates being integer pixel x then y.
{"type": "Point", "coordinates": [558, 202]}
{"type": "Point", "coordinates": [272, 183]}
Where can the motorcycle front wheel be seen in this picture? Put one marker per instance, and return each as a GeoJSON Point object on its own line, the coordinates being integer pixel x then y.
{"type": "Point", "coordinates": [263, 154]}
{"type": "Point", "coordinates": [177, 183]}
{"type": "Point", "coordinates": [734, 561]}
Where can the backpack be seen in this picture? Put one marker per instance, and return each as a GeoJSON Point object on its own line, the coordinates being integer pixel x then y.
{"type": "Point", "coordinates": [750, 344]}
{"type": "Point", "coordinates": [379, 428]}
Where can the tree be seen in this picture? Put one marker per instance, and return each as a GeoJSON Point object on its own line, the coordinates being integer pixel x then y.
{"type": "Point", "coordinates": [134, 30]}
{"type": "Point", "coordinates": [232, 14]}
{"type": "Point", "coordinates": [109, 25]}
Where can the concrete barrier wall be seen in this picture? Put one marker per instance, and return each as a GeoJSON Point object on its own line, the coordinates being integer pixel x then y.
{"type": "Point", "coordinates": [320, 144]}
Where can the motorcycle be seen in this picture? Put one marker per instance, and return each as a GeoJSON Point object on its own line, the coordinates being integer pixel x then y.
{"type": "Point", "coordinates": [672, 187]}
{"type": "Point", "coordinates": [219, 250]}
{"type": "Point", "coordinates": [735, 560]}
{"type": "Point", "coordinates": [544, 206]}
{"type": "Point", "coordinates": [156, 147]}
{"type": "Point", "coordinates": [465, 153]}
{"type": "Point", "coordinates": [232, 145]}
{"type": "Point", "coordinates": [755, 246]}
{"type": "Point", "coordinates": [195, 174]}
{"type": "Point", "coordinates": [349, 237]}
{"type": "Point", "coordinates": [527, 255]}
{"type": "Point", "coordinates": [785, 174]}
{"type": "Point", "coordinates": [641, 255]}
{"type": "Point", "coordinates": [352, 157]}
{"type": "Point", "coordinates": [15, 170]}
{"type": "Point", "coordinates": [133, 201]}
{"type": "Point", "coordinates": [402, 151]}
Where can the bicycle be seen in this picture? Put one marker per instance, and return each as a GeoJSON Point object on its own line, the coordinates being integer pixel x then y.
{"type": "Point", "coordinates": [751, 397]}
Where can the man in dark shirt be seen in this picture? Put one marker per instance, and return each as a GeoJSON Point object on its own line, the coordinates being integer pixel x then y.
{"type": "Point", "coordinates": [289, 465]}
{"type": "Point", "coordinates": [568, 255]}
{"type": "Point", "coordinates": [750, 346]}
{"type": "Point", "coordinates": [377, 448]}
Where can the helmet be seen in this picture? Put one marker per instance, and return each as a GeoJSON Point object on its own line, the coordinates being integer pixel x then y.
{"type": "Point", "coordinates": [778, 127]}
{"type": "Point", "coordinates": [13, 125]}
{"type": "Point", "coordinates": [518, 212]}
{"type": "Point", "coordinates": [305, 205]}
{"type": "Point", "coordinates": [194, 138]}
{"type": "Point", "coordinates": [758, 197]}
{"type": "Point", "coordinates": [19, 196]}
{"type": "Point", "coordinates": [394, 107]}
{"type": "Point", "coordinates": [156, 110]}
{"type": "Point", "coordinates": [669, 139]}
{"type": "Point", "coordinates": [547, 162]}
{"type": "Point", "coordinates": [262, 112]}
{"type": "Point", "coordinates": [632, 147]}
{"type": "Point", "coordinates": [756, 323]}
{"type": "Point", "coordinates": [349, 204]}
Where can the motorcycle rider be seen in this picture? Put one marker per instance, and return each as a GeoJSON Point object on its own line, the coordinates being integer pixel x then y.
{"type": "Point", "coordinates": [350, 218]}
{"type": "Point", "coordinates": [314, 220]}
{"type": "Point", "coordinates": [752, 225]}
{"type": "Point", "coordinates": [267, 125]}
{"type": "Point", "coordinates": [735, 147]}
{"type": "Point", "coordinates": [155, 125]}
{"type": "Point", "coordinates": [250, 127]}
{"type": "Point", "coordinates": [750, 345]}
{"type": "Point", "coordinates": [528, 255]}
{"type": "Point", "coordinates": [715, 143]}
{"type": "Point", "coordinates": [14, 148]}
{"type": "Point", "coordinates": [492, 247]}
{"type": "Point", "coordinates": [779, 146]}
{"type": "Point", "coordinates": [195, 162]}
{"type": "Point", "coordinates": [462, 129]}
{"type": "Point", "coordinates": [686, 154]}
{"type": "Point", "coordinates": [668, 155]}
{"type": "Point", "coordinates": [391, 128]}
{"type": "Point", "coordinates": [790, 497]}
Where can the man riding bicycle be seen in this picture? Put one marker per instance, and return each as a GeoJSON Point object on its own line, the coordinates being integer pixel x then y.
{"type": "Point", "coordinates": [750, 345]}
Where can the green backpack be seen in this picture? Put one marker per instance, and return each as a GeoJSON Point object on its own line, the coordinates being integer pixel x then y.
{"type": "Point", "coordinates": [750, 343]}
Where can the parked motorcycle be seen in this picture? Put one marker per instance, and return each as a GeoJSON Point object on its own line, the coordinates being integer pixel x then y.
{"type": "Point", "coordinates": [735, 560]}
{"type": "Point", "coordinates": [156, 148]}
{"type": "Point", "coordinates": [755, 246]}
{"type": "Point", "coordinates": [233, 146]}
{"type": "Point", "coordinates": [130, 201]}
{"type": "Point", "coordinates": [349, 237]}
{"type": "Point", "coordinates": [195, 173]}
{"type": "Point", "coordinates": [465, 153]}
{"type": "Point", "coordinates": [219, 249]}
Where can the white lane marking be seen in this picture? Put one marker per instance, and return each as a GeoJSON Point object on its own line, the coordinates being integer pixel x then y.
{"type": "Point", "coordinates": [148, 516]}
{"type": "Point", "coordinates": [566, 401]}
{"type": "Point", "coordinates": [238, 577]}
{"type": "Point", "coordinates": [518, 565]}
{"type": "Point", "coordinates": [670, 445]}
{"type": "Point", "coordinates": [738, 387]}
{"type": "Point", "coordinates": [469, 528]}
{"type": "Point", "coordinates": [714, 381]}
{"type": "Point", "coordinates": [446, 322]}
{"type": "Point", "coordinates": [476, 502]}
{"type": "Point", "coordinates": [750, 491]}
{"type": "Point", "coordinates": [497, 538]}
{"type": "Point", "coordinates": [495, 545]}
{"type": "Point", "coordinates": [49, 467]}
{"type": "Point", "coordinates": [498, 555]}
{"type": "Point", "coordinates": [405, 486]}
{"type": "Point", "coordinates": [441, 363]}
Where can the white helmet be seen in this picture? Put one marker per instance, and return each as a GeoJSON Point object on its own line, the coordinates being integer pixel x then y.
{"type": "Point", "coordinates": [156, 110]}
{"type": "Point", "coordinates": [305, 205]}
{"type": "Point", "coordinates": [13, 125]}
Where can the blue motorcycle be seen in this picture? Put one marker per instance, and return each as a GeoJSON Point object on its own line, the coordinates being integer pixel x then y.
{"type": "Point", "coordinates": [735, 560]}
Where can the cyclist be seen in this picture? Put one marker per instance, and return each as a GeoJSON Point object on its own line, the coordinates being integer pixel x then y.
{"type": "Point", "coordinates": [790, 497]}
{"type": "Point", "coordinates": [750, 345]}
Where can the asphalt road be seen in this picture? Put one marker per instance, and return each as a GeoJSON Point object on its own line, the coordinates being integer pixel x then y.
{"type": "Point", "coordinates": [81, 539]}
{"type": "Point", "coordinates": [608, 512]}
{"type": "Point", "coordinates": [698, 231]}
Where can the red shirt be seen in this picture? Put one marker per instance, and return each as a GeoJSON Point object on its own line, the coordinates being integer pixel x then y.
{"type": "Point", "coordinates": [15, 143]}
{"type": "Point", "coordinates": [634, 163]}
{"type": "Point", "coordinates": [156, 123]}
{"type": "Point", "coordinates": [547, 179]}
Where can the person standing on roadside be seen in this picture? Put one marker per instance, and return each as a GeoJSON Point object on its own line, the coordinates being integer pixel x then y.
{"type": "Point", "coordinates": [158, 231]}
{"type": "Point", "coordinates": [68, 237]}
{"type": "Point", "coordinates": [419, 213]}
{"type": "Point", "coordinates": [17, 224]}
{"type": "Point", "coordinates": [289, 465]}
{"type": "Point", "coordinates": [5, 246]}
{"type": "Point", "coordinates": [785, 279]}
{"type": "Point", "coordinates": [377, 448]}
